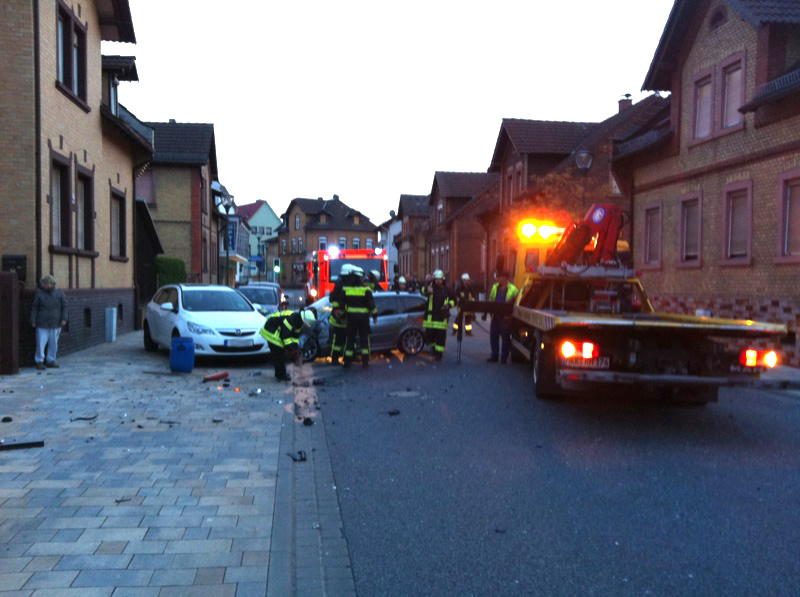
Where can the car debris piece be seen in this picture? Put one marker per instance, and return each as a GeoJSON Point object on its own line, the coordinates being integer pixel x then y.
{"type": "Point", "coordinates": [216, 376]}
{"type": "Point", "coordinates": [216, 420]}
{"type": "Point", "coordinates": [6, 419]}
{"type": "Point", "coordinates": [308, 421]}
{"type": "Point", "coordinates": [299, 456]}
{"type": "Point", "coordinates": [20, 445]}
{"type": "Point", "coordinates": [393, 413]}
{"type": "Point", "coordinates": [86, 418]}
{"type": "Point", "coordinates": [122, 499]}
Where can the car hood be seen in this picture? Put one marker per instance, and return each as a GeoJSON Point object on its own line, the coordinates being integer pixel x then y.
{"type": "Point", "coordinates": [226, 320]}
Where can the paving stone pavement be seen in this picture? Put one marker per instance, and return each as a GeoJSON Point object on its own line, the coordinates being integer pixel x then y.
{"type": "Point", "coordinates": [155, 483]}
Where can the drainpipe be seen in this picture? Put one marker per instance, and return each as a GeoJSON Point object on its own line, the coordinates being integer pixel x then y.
{"type": "Point", "coordinates": [38, 144]}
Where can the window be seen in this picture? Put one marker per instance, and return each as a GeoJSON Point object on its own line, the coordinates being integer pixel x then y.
{"type": "Point", "coordinates": [59, 204]}
{"type": "Point", "coordinates": [84, 216]}
{"type": "Point", "coordinates": [732, 95]}
{"type": "Point", "coordinates": [652, 236]}
{"type": "Point", "coordinates": [113, 101]}
{"type": "Point", "coordinates": [342, 242]}
{"type": "Point", "coordinates": [118, 240]}
{"type": "Point", "coordinates": [204, 253]}
{"type": "Point", "coordinates": [322, 243]}
{"type": "Point", "coordinates": [369, 243]}
{"type": "Point", "coordinates": [790, 215]}
{"type": "Point", "coordinates": [203, 195]}
{"type": "Point", "coordinates": [385, 305]}
{"type": "Point", "coordinates": [690, 230]}
{"type": "Point", "coordinates": [356, 242]}
{"type": "Point", "coordinates": [297, 221]}
{"type": "Point", "coordinates": [71, 55]}
{"type": "Point", "coordinates": [283, 246]}
{"type": "Point", "coordinates": [440, 212]}
{"type": "Point", "coordinates": [299, 245]}
{"type": "Point", "coordinates": [294, 246]}
{"type": "Point", "coordinates": [737, 222]}
{"type": "Point", "coordinates": [703, 96]}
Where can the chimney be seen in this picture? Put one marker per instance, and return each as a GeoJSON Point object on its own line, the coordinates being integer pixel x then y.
{"type": "Point", "coordinates": [172, 121]}
{"type": "Point", "coordinates": [626, 102]}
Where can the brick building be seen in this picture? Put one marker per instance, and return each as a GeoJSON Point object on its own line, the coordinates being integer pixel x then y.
{"type": "Point", "coordinates": [309, 225]}
{"type": "Point", "coordinates": [69, 161]}
{"type": "Point", "coordinates": [177, 190]}
{"type": "Point", "coordinates": [414, 213]}
{"type": "Point", "coordinates": [715, 187]}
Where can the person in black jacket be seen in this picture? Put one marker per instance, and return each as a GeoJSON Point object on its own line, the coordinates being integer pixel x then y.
{"type": "Point", "coordinates": [282, 331]}
{"type": "Point", "coordinates": [359, 306]}
{"type": "Point", "coordinates": [437, 312]}
{"type": "Point", "coordinates": [464, 292]}
{"type": "Point", "coordinates": [48, 316]}
{"type": "Point", "coordinates": [338, 319]}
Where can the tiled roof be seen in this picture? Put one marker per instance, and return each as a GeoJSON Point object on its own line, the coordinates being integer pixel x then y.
{"type": "Point", "coordinates": [249, 210]}
{"type": "Point", "coordinates": [340, 216]}
{"type": "Point", "coordinates": [183, 143]}
{"type": "Point", "coordinates": [414, 206]}
{"type": "Point", "coordinates": [124, 67]}
{"type": "Point", "coordinates": [777, 89]}
{"type": "Point", "coordinates": [677, 28]}
{"type": "Point", "coordinates": [463, 184]}
{"type": "Point", "coordinates": [115, 19]}
{"type": "Point", "coordinates": [759, 12]}
{"type": "Point", "coordinates": [539, 137]}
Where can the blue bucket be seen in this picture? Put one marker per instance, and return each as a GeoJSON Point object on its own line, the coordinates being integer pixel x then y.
{"type": "Point", "coordinates": [181, 355]}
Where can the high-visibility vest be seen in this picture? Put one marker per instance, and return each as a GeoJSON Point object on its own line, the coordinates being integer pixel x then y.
{"type": "Point", "coordinates": [358, 300]}
{"type": "Point", "coordinates": [511, 292]}
{"type": "Point", "coordinates": [440, 301]}
{"type": "Point", "coordinates": [282, 329]}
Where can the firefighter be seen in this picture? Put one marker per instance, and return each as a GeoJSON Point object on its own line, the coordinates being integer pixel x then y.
{"type": "Point", "coordinates": [464, 292]}
{"type": "Point", "coordinates": [338, 318]}
{"type": "Point", "coordinates": [437, 312]}
{"type": "Point", "coordinates": [282, 331]}
{"type": "Point", "coordinates": [359, 305]}
{"type": "Point", "coordinates": [400, 285]}
{"type": "Point", "coordinates": [373, 281]}
{"type": "Point", "coordinates": [502, 292]}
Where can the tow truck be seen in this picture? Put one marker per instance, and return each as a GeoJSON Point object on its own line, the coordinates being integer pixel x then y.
{"type": "Point", "coordinates": [324, 266]}
{"type": "Point", "coordinates": [583, 321]}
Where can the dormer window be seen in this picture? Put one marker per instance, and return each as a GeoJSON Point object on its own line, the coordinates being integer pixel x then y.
{"type": "Point", "coordinates": [355, 219]}
{"type": "Point", "coordinates": [323, 218]}
{"type": "Point", "coordinates": [297, 221]}
{"type": "Point", "coordinates": [113, 102]}
{"type": "Point", "coordinates": [440, 211]}
{"type": "Point", "coordinates": [718, 17]}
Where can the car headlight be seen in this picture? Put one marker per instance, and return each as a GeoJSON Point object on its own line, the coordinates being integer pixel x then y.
{"type": "Point", "coordinates": [198, 329]}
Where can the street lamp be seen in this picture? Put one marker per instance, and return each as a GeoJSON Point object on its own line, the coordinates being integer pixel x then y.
{"type": "Point", "coordinates": [583, 160]}
{"type": "Point", "coordinates": [261, 263]}
{"type": "Point", "coordinates": [227, 208]}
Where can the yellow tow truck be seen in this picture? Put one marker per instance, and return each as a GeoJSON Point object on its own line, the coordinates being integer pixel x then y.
{"type": "Point", "coordinates": [583, 321]}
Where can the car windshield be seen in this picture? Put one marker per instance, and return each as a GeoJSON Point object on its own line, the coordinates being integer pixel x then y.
{"type": "Point", "coordinates": [366, 264]}
{"type": "Point", "coordinates": [261, 296]}
{"type": "Point", "coordinates": [323, 307]}
{"type": "Point", "coordinates": [214, 300]}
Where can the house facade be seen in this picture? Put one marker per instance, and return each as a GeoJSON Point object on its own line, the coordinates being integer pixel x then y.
{"type": "Point", "coordinates": [177, 190]}
{"type": "Point", "coordinates": [715, 189]}
{"type": "Point", "coordinates": [69, 163]}
{"type": "Point", "coordinates": [264, 224]}
{"type": "Point", "coordinates": [310, 225]}
{"type": "Point", "coordinates": [414, 213]}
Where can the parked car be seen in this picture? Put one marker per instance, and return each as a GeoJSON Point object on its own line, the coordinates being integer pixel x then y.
{"type": "Point", "coordinates": [399, 325]}
{"type": "Point", "coordinates": [219, 320]}
{"type": "Point", "coordinates": [275, 285]}
{"type": "Point", "coordinates": [265, 298]}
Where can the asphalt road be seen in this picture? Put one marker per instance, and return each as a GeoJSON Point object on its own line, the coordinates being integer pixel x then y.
{"type": "Point", "coordinates": [476, 488]}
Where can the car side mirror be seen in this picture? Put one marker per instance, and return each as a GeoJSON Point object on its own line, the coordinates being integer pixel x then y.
{"type": "Point", "coordinates": [257, 306]}
{"type": "Point", "coordinates": [167, 306]}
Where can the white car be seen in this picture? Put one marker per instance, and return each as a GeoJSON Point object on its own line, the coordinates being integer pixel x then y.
{"type": "Point", "coordinates": [219, 320]}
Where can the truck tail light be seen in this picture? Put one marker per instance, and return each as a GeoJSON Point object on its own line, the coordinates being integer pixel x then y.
{"type": "Point", "coordinates": [751, 357]}
{"type": "Point", "coordinates": [585, 350]}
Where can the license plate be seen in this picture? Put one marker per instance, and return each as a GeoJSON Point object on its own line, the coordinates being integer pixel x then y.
{"type": "Point", "coordinates": [239, 343]}
{"type": "Point", "coordinates": [598, 363]}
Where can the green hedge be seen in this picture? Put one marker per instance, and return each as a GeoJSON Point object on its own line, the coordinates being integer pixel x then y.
{"type": "Point", "coordinates": [169, 270]}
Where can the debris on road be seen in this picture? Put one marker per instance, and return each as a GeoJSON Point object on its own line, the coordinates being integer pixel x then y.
{"type": "Point", "coordinates": [308, 421]}
{"type": "Point", "coordinates": [299, 456]}
{"type": "Point", "coordinates": [85, 418]}
{"type": "Point", "coordinates": [393, 413]}
{"type": "Point", "coordinates": [20, 445]}
{"type": "Point", "coordinates": [122, 499]}
{"type": "Point", "coordinates": [216, 376]}
{"type": "Point", "coordinates": [404, 394]}
{"type": "Point", "coordinates": [216, 420]}
{"type": "Point", "coordinates": [7, 419]}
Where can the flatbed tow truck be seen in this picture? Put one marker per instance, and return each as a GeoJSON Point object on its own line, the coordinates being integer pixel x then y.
{"type": "Point", "coordinates": [582, 321]}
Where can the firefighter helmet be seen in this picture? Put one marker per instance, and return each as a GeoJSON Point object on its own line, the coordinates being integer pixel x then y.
{"type": "Point", "coordinates": [375, 273]}
{"type": "Point", "coordinates": [438, 275]}
{"type": "Point", "coordinates": [347, 268]}
{"type": "Point", "coordinates": [465, 277]}
{"type": "Point", "coordinates": [357, 271]}
{"type": "Point", "coordinates": [401, 280]}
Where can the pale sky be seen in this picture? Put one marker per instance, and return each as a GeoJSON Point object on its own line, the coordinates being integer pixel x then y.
{"type": "Point", "coordinates": [368, 99]}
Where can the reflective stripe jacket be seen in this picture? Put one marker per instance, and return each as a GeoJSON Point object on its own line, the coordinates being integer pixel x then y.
{"type": "Point", "coordinates": [511, 292]}
{"type": "Point", "coordinates": [358, 300]}
{"type": "Point", "coordinates": [282, 329]}
{"type": "Point", "coordinates": [337, 318]}
{"type": "Point", "coordinates": [437, 309]}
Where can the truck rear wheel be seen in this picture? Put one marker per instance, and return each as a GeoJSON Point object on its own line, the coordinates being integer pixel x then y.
{"type": "Point", "coordinates": [543, 371]}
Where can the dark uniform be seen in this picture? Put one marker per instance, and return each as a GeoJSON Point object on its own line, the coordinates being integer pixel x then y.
{"type": "Point", "coordinates": [359, 305]}
{"type": "Point", "coordinates": [464, 292]}
{"type": "Point", "coordinates": [282, 331]}
{"type": "Point", "coordinates": [338, 321]}
{"type": "Point", "coordinates": [437, 312]}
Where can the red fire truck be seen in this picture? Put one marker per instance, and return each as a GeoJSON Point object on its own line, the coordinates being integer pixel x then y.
{"type": "Point", "coordinates": [325, 265]}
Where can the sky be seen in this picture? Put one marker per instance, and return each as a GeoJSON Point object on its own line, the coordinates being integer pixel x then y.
{"type": "Point", "coordinates": [368, 99]}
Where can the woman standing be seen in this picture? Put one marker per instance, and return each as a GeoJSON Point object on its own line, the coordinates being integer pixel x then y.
{"type": "Point", "coordinates": [48, 315]}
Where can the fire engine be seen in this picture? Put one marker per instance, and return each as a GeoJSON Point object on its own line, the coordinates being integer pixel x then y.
{"type": "Point", "coordinates": [582, 321]}
{"type": "Point", "coordinates": [324, 267]}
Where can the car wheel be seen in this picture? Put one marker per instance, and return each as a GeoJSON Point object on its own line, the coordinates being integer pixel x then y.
{"type": "Point", "coordinates": [543, 372]}
{"type": "Point", "coordinates": [411, 342]}
{"type": "Point", "coordinates": [311, 349]}
{"type": "Point", "coordinates": [150, 345]}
